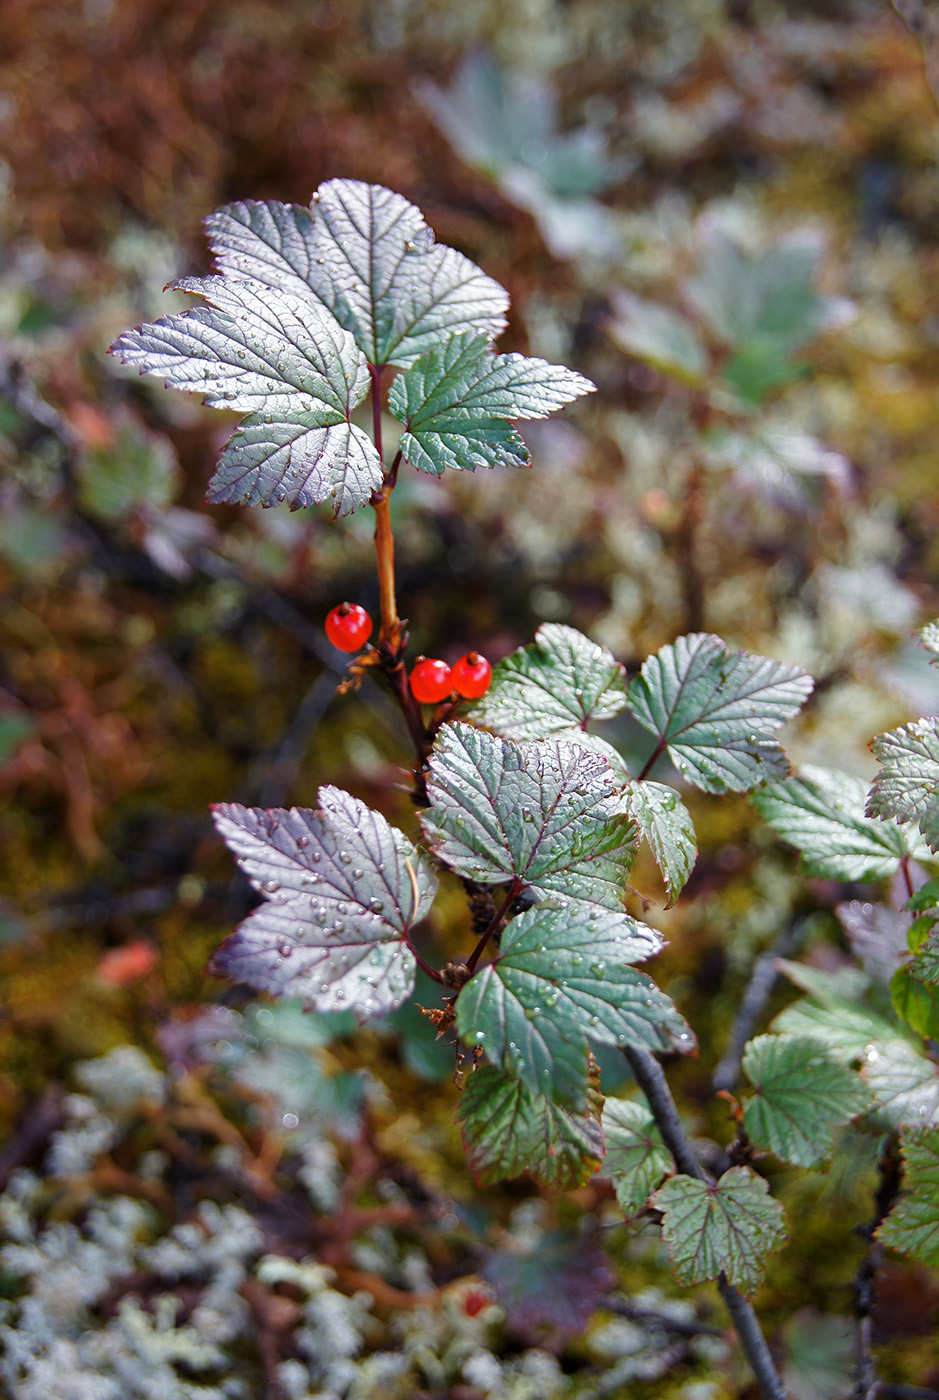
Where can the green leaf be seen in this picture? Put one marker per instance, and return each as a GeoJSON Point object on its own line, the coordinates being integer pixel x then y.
{"type": "Point", "coordinates": [292, 368]}
{"type": "Point", "coordinates": [929, 637]}
{"type": "Point", "coordinates": [665, 822]}
{"type": "Point", "coordinates": [339, 899]}
{"type": "Point", "coordinates": [563, 982]}
{"type": "Point", "coordinates": [724, 1227]}
{"type": "Point", "coordinates": [819, 1354]}
{"type": "Point", "coordinates": [907, 786]}
{"type": "Point", "coordinates": [457, 400]}
{"type": "Point", "coordinates": [366, 255]}
{"type": "Point", "coordinates": [138, 471]}
{"type": "Point", "coordinates": [904, 1083]}
{"type": "Point", "coordinates": [802, 1095]}
{"type": "Point", "coordinates": [912, 1227]}
{"type": "Point", "coordinates": [841, 1027]}
{"type": "Point", "coordinates": [915, 1002]}
{"type": "Point", "coordinates": [925, 964]}
{"type": "Point", "coordinates": [545, 814]}
{"type": "Point", "coordinates": [713, 710]}
{"type": "Point", "coordinates": [508, 1130]}
{"type": "Point", "coordinates": [636, 1157]}
{"type": "Point", "coordinates": [561, 681]}
{"type": "Point", "coordinates": [821, 813]}
{"type": "Point", "coordinates": [777, 459]}
{"type": "Point", "coordinates": [658, 336]}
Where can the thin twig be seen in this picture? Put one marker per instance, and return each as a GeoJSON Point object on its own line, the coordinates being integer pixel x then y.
{"type": "Point", "coordinates": [759, 989]}
{"type": "Point", "coordinates": [495, 923]}
{"type": "Point", "coordinates": [866, 1386]}
{"type": "Point", "coordinates": [651, 1079]}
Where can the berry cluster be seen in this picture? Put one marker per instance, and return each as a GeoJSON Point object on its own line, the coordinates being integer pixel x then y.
{"type": "Point", "coordinates": [349, 627]}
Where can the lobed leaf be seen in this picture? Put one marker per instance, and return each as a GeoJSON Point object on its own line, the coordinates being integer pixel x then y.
{"type": "Point", "coordinates": [713, 710]}
{"type": "Point", "coordinates": [563, 982]}
{"type": "Point", "coordinates": [840, 1026]}
{"type": "Point", "coordinates": [924, 965]}
{"type": "Point", "coordinates": [914, 1001]}
{"type": "Point", "coordinates": [367, 256]}
{"type": "Point", "coordinates": [665, 822]}
{"type": "Point", "coordinates": [546, 814]}
{"type": "Point", "coordinates": [725, 1227]}
{"type": "Point", "coordinates": [907, 786]}
{"type": "Point", "coordinates": [560, 681]}
{"type": "Point", "coordinates": [457, 399]}
{"type": "Point", "coordinates": [821, 813]}
{"type": "Point", "coordinates": [802, 1094]}
{"type": "Point", "coordinates": [877, 935]}
{"type": "Point", "coordinates": [905, 1085]}
{"type": "Point", "coordinates": [912, 1226]}
{"type": "Point", "coordinates": [636, 1157]}
{"type": "Point", "coordinates": [929, 637]}
{"type": "Point", "coordinates": [339, 900]}
{"type": "Point", "coordinates": [659, 337]}
{"type": "Point", "coordinates": [507, 1130]}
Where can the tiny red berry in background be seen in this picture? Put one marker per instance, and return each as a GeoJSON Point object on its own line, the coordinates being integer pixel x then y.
{"type": "Point", "coordinates": [474, 1301]}
{"type": "Point", "coordinates": [471, 676]}
{"type": "Point", "coordinates": [430, 680]}
{"type": "Point", "coordinates": [348, 626]}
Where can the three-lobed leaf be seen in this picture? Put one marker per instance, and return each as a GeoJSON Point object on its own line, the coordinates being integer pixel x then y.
{"type": "Point", "coordinates": [341, 887]}
{"type": "Point", "coordinates": [564, 981]}
{"type": "Point", "coordinates": [714, 710]}
{"type": "Point", "coordinates": [912, 1226]}
{"type": "Point", "coordinates": [907, 786]}
{"type": "Point", "coordinates": [728, 1227]}
{"type": "Point", "coordinates": [636, 1157]}
{"type": "Point", "coordinates": [821, 813]}
{"type": "Point", "coordinates": [561, 681]}
{"type": "Point", "coordinates": [802, 1094]}
{"type": "Point", "coordinates": [543, 815]}
{"type": "Point", "coordinates": [458, 399]}
{"type": "Point", "coordinates": [508, 1130]}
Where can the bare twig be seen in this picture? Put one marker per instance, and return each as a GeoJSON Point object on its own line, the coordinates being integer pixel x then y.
{"type": "Point", "coordinates": [866, 1386]}
{"type": "Point", "coordinates": [651, 1079]}
{"type": "Point", "coordinates": [759, 989]}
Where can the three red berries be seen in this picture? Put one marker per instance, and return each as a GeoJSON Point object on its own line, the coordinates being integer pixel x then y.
{"type": "Point", "coordinates": [349, 627]}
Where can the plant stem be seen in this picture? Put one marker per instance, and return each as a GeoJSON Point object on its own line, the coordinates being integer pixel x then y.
{"type": "Point", "coordinates": [759, 989]}
{"type": "Point", "coordinates": [652, 760]}
{"type": "Point", "coordinates": [866, 1385]}
{"type": "Point", "coordinates": [495, 923]}
{"type": "Point", "coordinates": [651, 1079]}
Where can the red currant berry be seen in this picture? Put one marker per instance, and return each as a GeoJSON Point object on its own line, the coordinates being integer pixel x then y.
{"type": "Point", "coordinates": [471, 676]}
{"type": "Point", "coordinates": [430, 680]}
{"type": "Point", "coordinates": [474, 1301]}
{"type": "Point", "coordinates": [348, 627]}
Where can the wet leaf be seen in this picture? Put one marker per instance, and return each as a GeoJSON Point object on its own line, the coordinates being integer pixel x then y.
{"type": "Point", "coordinates": [907, 786]}
{"type": "Point", "coordinates": [905, 1085]}
{"type": "Point", "coordinates": [802, 1095]}
{"type": "Point", "coordinates": [724, 1227]}
{"type": "Point", "coordinates": [912, 1226]}
{"type": "Point", "coordinates": [636, 1157]}
{"type": "Point", "coordinates": [665, 822]}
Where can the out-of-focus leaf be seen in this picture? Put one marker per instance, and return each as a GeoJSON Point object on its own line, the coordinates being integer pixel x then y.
{"type": "Point", "coordinates": [819, 1351]}
{"type": "Point", "coordinates": [340, 898]}
{"type": "Point", "coordinates": [546, 814]}
{"type": "Point", "coordinates": [905, 1084]}
{"type": "Point", "coordinates": [915, 1001]}
{"type": "Point", "coordinates": [457, 400]}
{"type": "Point", "coordinates": [561, 983]}
{"type": "Point", "coordinates": [840, 1027]}
{"type": "Point", "coordinates": [32, 540]}
{"type": "Point", "coordinates": [802, 1095]}
{"type": "Point", "coordinates": [658, 336]}
{"type": "Point", "coordinates": [821, 813]}
{"type": "Point", "coordinates": [929, 636]}
{"type": "Point", "coordinates": [877, 935]}
{"type": "Point", "coordinates": [665, 822]}
{"type": "Point", "coordinates": [556, 1282]}
{"type": "Point", "coordinates": [925, 963]}
{"type": "Point", "coordinates": [366, 255]}
{"type": "Point", "coordinates": [713, 710]}
{"type": "Point", "coordinates": [508, 1130]}
{"type": "Point", "coordinates": [561, 681]}
{"type": "Point", "coordinates": [15, 726]}
{"type": "Point", "coordinates": [778, 460]}
{"type": "Point", "coordinates": [728, 1226]}
{"type": "Point", "coordinates": [636, 1157]}
{"type": "Point", "coordinates": [138, 471]}
{"type": "Point", "coordinates": [912, 1226]}
{"type": "Point", "coordinates": [907, 786]}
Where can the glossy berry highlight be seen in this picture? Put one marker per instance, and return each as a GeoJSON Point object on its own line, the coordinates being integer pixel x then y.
{"type": "Point", "coordinates": [471, 675]}
{"type": "Point", "coordinates": [430, 680]}
{"type": "Point", "coordinates": [348, 626]}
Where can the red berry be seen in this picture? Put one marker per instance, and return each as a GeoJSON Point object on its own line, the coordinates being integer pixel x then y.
{"type": "Point", "coordinates": [348, 627]}
{"type": "Point", "coordinates": [430, 680]}
{"type": "Point", "coordinates": [474, 1301]}
{"type": "Point", "coordinates": [471, 676]}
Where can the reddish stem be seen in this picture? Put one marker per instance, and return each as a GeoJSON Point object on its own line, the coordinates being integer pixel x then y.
{"type": "Point", "coordinates": [495, 923]}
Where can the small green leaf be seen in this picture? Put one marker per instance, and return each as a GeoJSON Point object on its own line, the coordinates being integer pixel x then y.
{"type": "Point", "coordinates": [563, 981]}
{"type": "Point", "coordinates": [802, 1095]}
{"type": "Point", "coordinates": [138, 471]}
{"type": "Point", "coordinates": [366, 256]}
{"type": "Point", "coordinates": [925, 964]}
{"type": "Point", "coordinates": [636, 1157]}
{"type": "Point", "coordinates": [907, 786]}
{"type": "Point", "coordinates": [821, 813]}
{"type": "Point", "coordinates": [508, 1130]}
{"type": "Point", "coordinates": [339, 897]}
{"type": "Point", "coordinates": [915, 1002]}
{"type": "Point", "coordinates": [819, 1352]}
{"type": "Point", "coordinates": [724, 1227]}
{"type": "Point", "coordinates": [714, 710]}
{"type": "Point", "coordinates": [912, 1227]}
{"type": "Point", "coordinates": [904, 1083]}
{"type": "Point", "coordinates": [561, 681]}
{"type": "Point", "coordinates": [658, 336]}
{"type": "Point", "coordinates": [665, 822]}
{"type": "Point", "coordinates": [841, 1027]}
{"type": "Point", "coordinates": [458, 399]}
{"type": "Point", "coordinates": [546, 814]}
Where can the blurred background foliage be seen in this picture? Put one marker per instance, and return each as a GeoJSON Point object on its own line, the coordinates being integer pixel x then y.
{"type": "Point", "coordinates": [725, 213]}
